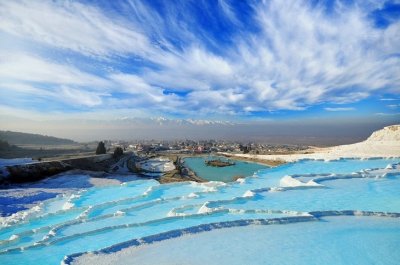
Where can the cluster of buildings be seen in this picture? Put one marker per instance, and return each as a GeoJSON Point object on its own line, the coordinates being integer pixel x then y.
{"type": "Point", "coordinates": [202, 146]}
{"type": "Point", "coordinates": [156, 158]}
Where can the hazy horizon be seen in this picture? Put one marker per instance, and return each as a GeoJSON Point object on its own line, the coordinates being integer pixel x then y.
{"type": "Point", "coordinates": [307, 132]}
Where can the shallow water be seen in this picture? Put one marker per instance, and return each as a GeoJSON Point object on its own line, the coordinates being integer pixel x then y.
{"type": "Point", "coordinates": [225, 174]}
{"type": "Point", "coordinates": [336, 240]}
{"type": "Point", "coordinates": [100, 217]}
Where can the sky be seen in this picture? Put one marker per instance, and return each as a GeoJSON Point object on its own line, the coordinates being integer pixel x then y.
{"type": "Point", "coordinates": [198, 62]}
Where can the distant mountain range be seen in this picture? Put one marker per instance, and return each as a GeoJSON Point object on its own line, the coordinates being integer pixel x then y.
{"type": "Point", "coordinates": [19, 138]}
{"type": "Point", "coordinates": [167, 121]}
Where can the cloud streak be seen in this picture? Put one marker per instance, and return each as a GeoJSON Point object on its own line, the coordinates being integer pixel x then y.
{"type": "Point", "coordinates": [339, 109]}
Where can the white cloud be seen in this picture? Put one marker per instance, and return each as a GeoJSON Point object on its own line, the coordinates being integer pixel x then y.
{"type": "Point", "coordinates": [393, 106]}
{"type": "Point", "coordinates": [339, 109]}
{"type": "Point", "coordinates": [387, 114]}
{"type": "Point", "coordinates": [25, 89]}
{"type": "Point", "coordinates": [228, 11]}
{"type": "Point", "coordinates": [79, 97]}
{"type": "Point", "coordinates": [388, 99]}
{"type": "Point", "coordinates": [312, 58]}
{"type": "Point", "coordinates": [132, 84]}
{"type": "Point", "coordinates": [193, 69]}
{"type": "Point", "coordinates": [24, 67]}
{"type": "Point", "coordinates": [71, 25]}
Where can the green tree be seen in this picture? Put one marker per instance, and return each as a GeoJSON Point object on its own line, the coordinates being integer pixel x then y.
{"type": "Point", "coordinates": [101, 149]}
{"type": "Point", "coordinates": [4, 145]}
{"type": "Point", "coordinates": [118, 151]}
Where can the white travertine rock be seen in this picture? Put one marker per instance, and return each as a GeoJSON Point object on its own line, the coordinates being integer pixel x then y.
{"type": "Point", "coordinates": [384, 143]}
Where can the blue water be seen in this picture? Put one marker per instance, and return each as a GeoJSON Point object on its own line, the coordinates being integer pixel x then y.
{"type": "Point", "coordinates": [335, 241]}
{"type": "Point", "coordinates": [225, 174]}
{"type": "Point", "coordinates": [104, 216]}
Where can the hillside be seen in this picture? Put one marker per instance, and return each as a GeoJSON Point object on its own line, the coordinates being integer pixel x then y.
{"type": "Point", "coordinates": [19, 138]}
{"type": "Point", "coordinates": [389, 133]}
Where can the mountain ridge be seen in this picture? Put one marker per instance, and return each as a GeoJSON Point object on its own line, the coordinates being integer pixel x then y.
{"type": "Point", "coordinates": [21, 138]}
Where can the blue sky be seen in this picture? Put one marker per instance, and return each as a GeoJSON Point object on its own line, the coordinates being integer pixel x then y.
{"type": "Point", "coordinates": [210, 59]}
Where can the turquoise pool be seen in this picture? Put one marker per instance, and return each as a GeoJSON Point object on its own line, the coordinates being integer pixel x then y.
{"type": "Point", "coordinates": [225, 174]}
{"type": "Point", "coordinates": [104, 217]}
